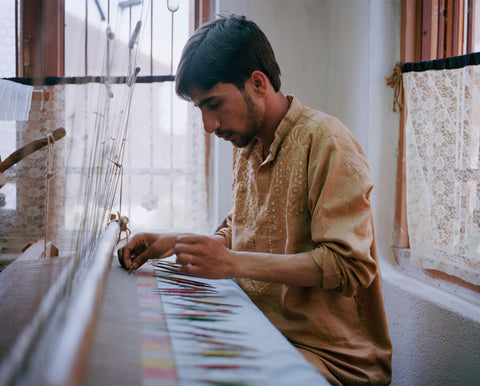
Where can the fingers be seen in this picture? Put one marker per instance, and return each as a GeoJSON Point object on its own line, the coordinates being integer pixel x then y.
{"type": "Point", "coordinates": [204, 256]}
{"type": "Point", "coordinates": [145, 246]}
{"type": "Point", "coordinates": [191, 239]}
{"type": "Point", "coordinates": [194, 254]}
{"type": "Point", "coordinates": [123, 257]}
{"type": "Point", "coordinates": [192, 264]}
{"type": "Point", "coordinates": [194, 245]}
{"type": "Point", "coordinates": [187, 248]}
{"type": "Point", "coordinates": [138, 261]}
{"type": "Point", "coordinates": [120, 257]}
{"type": "Point", "coordinates": [185, 259]}
{"type": "Point", "coordinates": [190, 249]}
{"type": "Point", "coordinates": [134, 252]}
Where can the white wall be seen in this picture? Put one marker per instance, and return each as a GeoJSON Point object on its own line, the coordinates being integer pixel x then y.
{"type": "Point", "coordinates": [334, 56]}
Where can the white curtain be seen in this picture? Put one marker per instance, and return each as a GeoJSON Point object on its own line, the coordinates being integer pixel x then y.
{"type": "Point", "coordinates": [15, 101]}
{"type": "Point", "coordinates": [443, 170]}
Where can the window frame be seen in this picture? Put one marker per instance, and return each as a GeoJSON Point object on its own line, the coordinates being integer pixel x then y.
{"type": "Point", "coordinates": [41, 37]}
{"type": "Point", "coordinates": [40, 49]}
{"type": "Point", "coordinates": [423, 38]}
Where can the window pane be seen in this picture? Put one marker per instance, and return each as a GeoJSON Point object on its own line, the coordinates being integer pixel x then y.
{"type": "Point", "coordinates": [7, 70]}
{"type": "Point", "coordinates": [154, 43]}
{"type": "Point", "coordinates": [7, 39]}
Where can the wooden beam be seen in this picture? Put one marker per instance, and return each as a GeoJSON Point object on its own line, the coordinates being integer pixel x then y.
{"type": "Point", "coordinates": [42, 38]}
{"type": "Point", "coordinates": [429, 29]}
{"type": "Point", "coordinates": [30, 148]}
{"type": "Point", "coordinates": [434, 39]}
{"type": "Point", "coordinates": [401, 239]}
{"type": "Point", "coordinates": [470, 26]}
{"type": "Point", "coordinates": [441, 30]}
{"type": "Point", "coordinates": [75, 337]}
{"type": "Point", "coordinates": [449, 28]}
{"type": "Point", "coordinates": [408, 53]}
{"type": "Point", "coordinates": [203, 12]}
{"type": "Point", "coordinates": [37, 250]}
{"type": "Point", "coordinates": [53, 38]}
{"type": "Point", "coordinates": [460, 27]}
{"type": "Point", "coordinates": [409, 26]}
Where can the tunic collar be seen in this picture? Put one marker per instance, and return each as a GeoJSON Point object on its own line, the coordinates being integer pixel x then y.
{"type": "Point", "coordinates": [288, 121]}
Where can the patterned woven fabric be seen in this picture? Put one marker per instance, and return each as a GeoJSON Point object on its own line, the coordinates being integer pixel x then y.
{"type": "Point", "coordinates": [157, 356]}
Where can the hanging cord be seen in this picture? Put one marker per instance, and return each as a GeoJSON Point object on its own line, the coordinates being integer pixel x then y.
{"type": "Point", "coordinates": [49, 174]}
{"type": "Point", "coordinates": [122, 220]}
{"type": "Point", "coordinates": [123, 223]}
{"type": "Point", "coordinates": [395, 81]}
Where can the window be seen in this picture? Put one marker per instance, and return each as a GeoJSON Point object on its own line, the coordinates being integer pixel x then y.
{"type": "Point", "coordinates": [435, 29]}
{"type": "Point", "coordinates": [164, 168]}
{"type": "Point", "coordinates": [7, 69]}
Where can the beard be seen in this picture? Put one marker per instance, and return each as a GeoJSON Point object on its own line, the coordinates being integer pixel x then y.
{"type": "Point", "coordinates": [243, 139]}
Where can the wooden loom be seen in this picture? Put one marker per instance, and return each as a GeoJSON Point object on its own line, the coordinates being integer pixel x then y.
{"type": "Point", "coordinates": [67, 292]}
{"type": "Point", "coordinates": [47, 341]}
{"type": "Point", "coordinates": [26, 150]}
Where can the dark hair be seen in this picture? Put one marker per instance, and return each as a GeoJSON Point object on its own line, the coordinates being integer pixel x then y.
{"type": "Point", "coordinates": [227, 50]}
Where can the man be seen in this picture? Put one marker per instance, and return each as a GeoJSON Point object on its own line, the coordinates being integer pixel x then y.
{"type": "Point", "coordinates": [299, 238]}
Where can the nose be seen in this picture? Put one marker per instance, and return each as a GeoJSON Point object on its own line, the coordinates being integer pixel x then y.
{"type": "Point", "coordinates": [210, 123]}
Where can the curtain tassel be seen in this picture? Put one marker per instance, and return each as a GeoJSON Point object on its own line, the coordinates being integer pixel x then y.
{"type": "Point", "coordinates": [395, 81]}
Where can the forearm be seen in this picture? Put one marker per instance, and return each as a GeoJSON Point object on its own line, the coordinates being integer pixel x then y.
{"type": "Point", "coordinates": [294, 269]}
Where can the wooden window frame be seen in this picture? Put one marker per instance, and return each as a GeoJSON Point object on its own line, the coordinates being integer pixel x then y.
{"type": "Point", "coordinates": [423, 37]}
{"type": "Point", "coordinates": [204, 12]}
{"type": "Point", "coordinates": [41, 38]}
{"type": "Point", "coordinates": [41, 42]}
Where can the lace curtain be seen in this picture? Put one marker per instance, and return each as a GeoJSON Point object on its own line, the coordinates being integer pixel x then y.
{"type": "Point", "coordinates": [23, 212]}
{"type": "Point", "coordinates": [164, 183]}
{"type": "Point", "coordinates": [443, 170]}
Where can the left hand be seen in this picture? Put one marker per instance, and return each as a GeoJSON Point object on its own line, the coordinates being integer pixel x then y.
{"type": "Point", "coordinates": [205, 256]}
{"type": "Point", "coordinates": [142, 247]}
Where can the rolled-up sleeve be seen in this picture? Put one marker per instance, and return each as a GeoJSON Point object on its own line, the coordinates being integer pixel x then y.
{"type": "Point", "coordinates": [225, 230]}
{"type": "Point", "coordinates": [339, 202]}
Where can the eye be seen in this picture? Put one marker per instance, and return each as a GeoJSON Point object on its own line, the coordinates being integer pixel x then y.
{"type": "Point", "coordinates": [215, 106]}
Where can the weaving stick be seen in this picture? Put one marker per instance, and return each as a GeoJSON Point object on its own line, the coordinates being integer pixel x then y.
{"type": "Point", "coordinates": [30, 148]}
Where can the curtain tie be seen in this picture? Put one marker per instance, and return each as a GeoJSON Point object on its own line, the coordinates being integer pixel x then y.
{"type": "Point", "coordinates": [395, 81]}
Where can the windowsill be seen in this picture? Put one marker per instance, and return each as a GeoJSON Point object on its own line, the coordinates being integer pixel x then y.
{"type": "Point", "coordinates": [446, 295]}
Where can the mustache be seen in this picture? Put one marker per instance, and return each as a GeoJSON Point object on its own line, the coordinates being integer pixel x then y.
{"type": "Point", "coordinates": [223, 133]}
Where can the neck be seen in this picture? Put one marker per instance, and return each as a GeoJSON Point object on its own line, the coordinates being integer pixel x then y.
{"type": "Point", "coordinates": [276, 108]}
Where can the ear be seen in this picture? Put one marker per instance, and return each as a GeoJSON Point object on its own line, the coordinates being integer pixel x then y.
{"type": "Point", "coordinates": [260, 82]}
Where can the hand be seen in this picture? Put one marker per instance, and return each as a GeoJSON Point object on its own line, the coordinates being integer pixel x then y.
{"type": "Point", "coordinates": [142, 247]}
{"type": "Point", "coordinates": [204, 256]}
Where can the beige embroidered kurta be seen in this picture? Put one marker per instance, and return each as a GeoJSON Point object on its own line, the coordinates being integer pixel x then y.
{"type": "Point", "coordinates": [312, 194]}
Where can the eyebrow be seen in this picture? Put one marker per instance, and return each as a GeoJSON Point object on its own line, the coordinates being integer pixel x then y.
{"type": "Point", "coordinates": [203, 102]}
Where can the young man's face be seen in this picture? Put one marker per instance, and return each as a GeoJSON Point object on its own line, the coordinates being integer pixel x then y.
{"type": "Point", "coordinates": [228, 112]}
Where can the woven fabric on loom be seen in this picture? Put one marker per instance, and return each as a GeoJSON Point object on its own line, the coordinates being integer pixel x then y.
{"type": "Point", "coordinates": [23, 284]}
{"type": "Point", "coordinates": [157, 356]}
